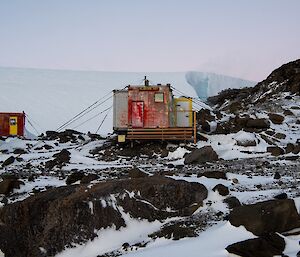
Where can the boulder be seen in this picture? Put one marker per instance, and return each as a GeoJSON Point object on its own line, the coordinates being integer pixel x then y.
{"type": "Point", "coordinates": [265, 246]}
{"type": "Point", "coordinates": [223, 190]}
{"type": "Point", "coordinates": [266, 217]}
{"type": "Point", "coordinates": [60, 159]}
{"type": "Point", "coordinates": [213, 174]}
{"type": "Point", "coordinates": [70, 215]}
{"type": "Point", "coordinates": [10, 160]}
{"type": "Point", "coordinates": [276, 118]}
{"type": "Point", "coordinates": [202, 155]}
{"type": "Point", "coordinates": [281, 196]}
{"type": "Point", "coordinates": [280, 136]}
{"type": "Point", "coordinates": [277, 175]}
{"type": "Point", "coordinates": [137, 173]}
{"type": "Point", "coordinates": [74, 177]}
{"type": "Point", "coordinates": [88, 178]}
{"type": "Point", "coordinates": [258, 123]}
{"type": "Point", "coordinates": [275, 150]}
{"type": "Point", "coordinates": [232, 202]}
{"type": "Point", "coordinates": [9, 184]}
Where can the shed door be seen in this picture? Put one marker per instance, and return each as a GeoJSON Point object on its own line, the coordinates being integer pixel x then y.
{"type": "Point", "coordinates": [137, 114]}
{"type": "Point", "coordinates": [13, 125]}
{"type": "Point", "coordinates": [183, 114]}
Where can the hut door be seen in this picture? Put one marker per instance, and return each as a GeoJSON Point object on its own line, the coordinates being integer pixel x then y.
{"type": "Point", "coordinates": [137, 114]}
{"type": "Point", "coordinates": [13, 125]}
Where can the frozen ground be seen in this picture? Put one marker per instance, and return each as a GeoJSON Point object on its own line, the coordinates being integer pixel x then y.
{"type": "Point", "coordinates": [249, 179]}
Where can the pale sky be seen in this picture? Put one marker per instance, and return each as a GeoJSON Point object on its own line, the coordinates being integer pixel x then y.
{"type": "Point", "coordinates": [241, 38]}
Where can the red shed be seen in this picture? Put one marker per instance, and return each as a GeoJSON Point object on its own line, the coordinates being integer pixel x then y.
{"type": "Point", "coordinates": [150, 106]}
{"type": "Point", "coordinates": [151, 112]}
{"type": "Point", "coordinates": [12, 124]}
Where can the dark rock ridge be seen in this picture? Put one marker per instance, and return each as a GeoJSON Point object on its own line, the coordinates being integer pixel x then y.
{"type": "Point", "coordinates": [266, 217]}
{"type": "Point", "coordinates": [63, 216]}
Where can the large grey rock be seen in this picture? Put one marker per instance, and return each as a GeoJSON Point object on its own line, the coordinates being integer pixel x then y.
{"type": "Point", "coordinates": [266, 217]}
{"type": "Point", "coordinates": [202, 155]}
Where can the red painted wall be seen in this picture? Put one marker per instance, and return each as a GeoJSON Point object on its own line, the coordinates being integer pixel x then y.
{"type": "Point", "coordinates": [155, 114]}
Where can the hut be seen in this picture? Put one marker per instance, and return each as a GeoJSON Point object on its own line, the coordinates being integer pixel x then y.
{"type": "Point", "coordinates": [147, 112]}
{"type": "Point", "coordinates": [12, 124]}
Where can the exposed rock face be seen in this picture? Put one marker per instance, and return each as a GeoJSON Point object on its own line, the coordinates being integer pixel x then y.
{"type": "Point", "coordinates": [8, 161]}
{"type": "Point", "coordinates": [223, 190]}
{"type": "Point", "coordinates": [137, 173]}
{"type": "Point", "coordinates": [68, 135]}
{"type": "Point", "coordinates": [9, 184]}
{"type": "Point", "coordinates": [258, 123]}
{"type": "Point", "coordinates": [266, 217]}
{"type": "Point", "coordinates": [59, 217]}
{"type": "Point", "coordinates": [60, 159]}
{"type": "Point", "coordinates": [276, 118]}
{"type": "Point", "coordinates": [232, 202]}
{"type": "Point", "coordinates": [202, 155]}
{"type": "Point", "coordinates": [213, 174]}
{"type": "Point", "coordinates": [265, 246]}
{"type": "Point", "coordinates": [74, 177]}
{"type": "Point", "coordinates": [275, 150]}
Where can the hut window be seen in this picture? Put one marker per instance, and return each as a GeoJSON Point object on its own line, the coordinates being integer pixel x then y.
{"type": "Point", "coordinates": [159, 97]}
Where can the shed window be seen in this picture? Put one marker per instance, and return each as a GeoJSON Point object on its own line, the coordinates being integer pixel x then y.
{"type": "Point", "coordinates": [159, 97]}
{"type": "Point", "coordinates": [13, 121]}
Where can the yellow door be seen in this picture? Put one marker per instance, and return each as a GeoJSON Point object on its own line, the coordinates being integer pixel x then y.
{"type": "Point", "coordinates": [13, 125]}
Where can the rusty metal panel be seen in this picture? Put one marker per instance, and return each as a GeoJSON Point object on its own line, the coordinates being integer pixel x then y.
{"type": "Point", "coordinates": [120, 109]}
{"type": "Point", "coordinates": [156, 107]}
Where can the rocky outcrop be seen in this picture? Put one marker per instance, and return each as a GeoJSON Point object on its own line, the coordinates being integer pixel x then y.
{"type": "Point", "coordinates": [60, 159]}
{"type": "Point", "coordinates": [201, 155]}
{"type": "Point", "coordinates": [70, 215]}
{"type": "Point", "coordinates": [9, 183]}
{"type": "Point", "coordinates": [266, 246]}
{"type": "Point", "coordinates": [222, 190]}
{"type": "Point", "coordinates": [213, 174]}
{"type": "Point", "coordinates": [8, 161]}
{"type": "Point", "coordinates": [266, 217]}
{"type": "Point", "coordinates": [276, 118]}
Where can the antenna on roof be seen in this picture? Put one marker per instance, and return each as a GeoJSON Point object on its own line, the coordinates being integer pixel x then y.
{"type": "Point", "coordinates": [146, 81]}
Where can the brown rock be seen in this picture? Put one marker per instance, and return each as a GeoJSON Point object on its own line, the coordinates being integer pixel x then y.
{"type": "Point", "coordinates": [223, 190]}
{"type": "Point", "coordinates": [69, 215]}
{"type": "Point", "coordinates": [258, 123]}
{"type": "Point", "coordinates": [137, 173]}
{"type": "Point", "coordinates": [9, 184]}
{"type": "Point", "coordinates": [10, 160]}
{"type": "Point", "coordinates": [280, 135]}
{"type": "Point", "coordinates": [266, 246]}
{"type": "Point", "coordinates": [202, 155]}
{"type": "Point", "coordinates": [275, 150]}
{"type": "Point", "coordinates": [213, 174]}
{"type": "Point", "coordinates": [276, 118]}
{"type": "Point", "coordinates": [266, 217]}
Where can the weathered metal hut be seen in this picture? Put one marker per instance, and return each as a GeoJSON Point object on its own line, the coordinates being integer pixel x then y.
{"type": "Point", "coordinates": [148, 112]}
{"type": "Point", "coordinates": [12, 124]}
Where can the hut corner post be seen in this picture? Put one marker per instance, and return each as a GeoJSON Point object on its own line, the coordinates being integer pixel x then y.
{"type": "Point", "coordinates": [195, 128]}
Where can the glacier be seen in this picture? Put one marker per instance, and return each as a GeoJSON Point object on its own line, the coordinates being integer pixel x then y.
{"type": "Point", "coordinates": [52, 97]}
{"type": "Point", "coordinates": [208, 84]}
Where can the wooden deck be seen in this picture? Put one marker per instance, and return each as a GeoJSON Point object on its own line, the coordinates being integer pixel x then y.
{"type": "Point", "coordinates": [181, 134]}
